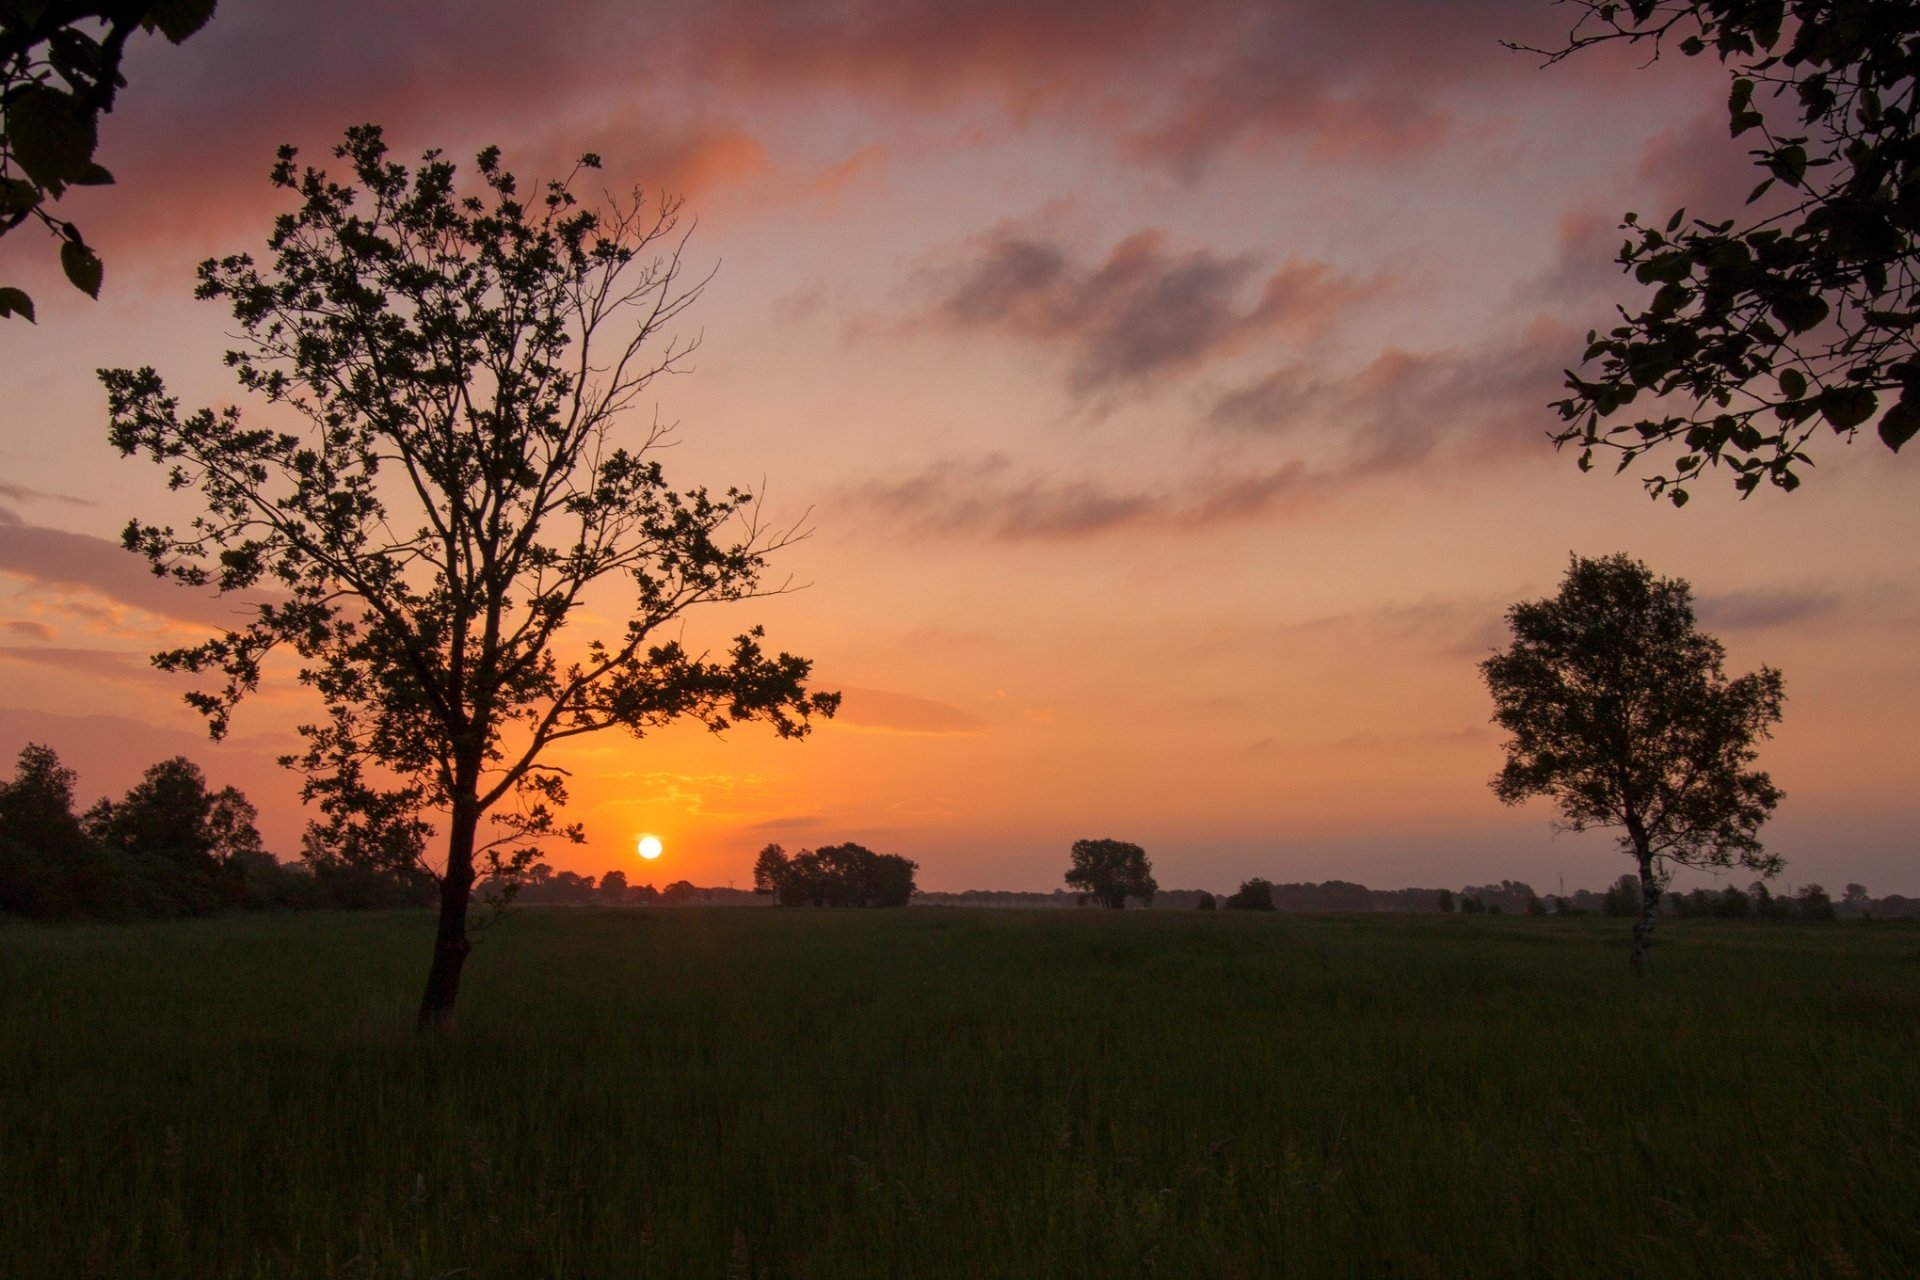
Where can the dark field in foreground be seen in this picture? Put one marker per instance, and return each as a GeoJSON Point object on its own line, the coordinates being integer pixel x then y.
{"type": "Point", "coordinates": [713, 1093]}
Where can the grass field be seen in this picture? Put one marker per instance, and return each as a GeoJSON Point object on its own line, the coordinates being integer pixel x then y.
{"type": "Point", "coordinates": [715, 1093]}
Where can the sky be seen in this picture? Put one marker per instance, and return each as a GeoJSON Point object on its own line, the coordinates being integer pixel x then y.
{"type": "Point", "coordinates": [1164, 386]}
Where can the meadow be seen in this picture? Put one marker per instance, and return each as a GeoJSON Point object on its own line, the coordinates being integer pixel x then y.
{"type": "Point", "coordinates": [941, 1092]}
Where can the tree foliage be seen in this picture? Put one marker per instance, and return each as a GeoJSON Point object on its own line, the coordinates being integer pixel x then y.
{"type": "Point", "coordinates": [1111, 871]}
{"type": "Point", "coordinates": [442, 492]}
{"type": "Point", "coordinates": [59, 73]}
{"type": "Point", "coordinates": [171, 847]}
{"type": "Point", "coordinates": [834, 875]}
{"type": "Point", "coordinates": [1253, 895]}
{"type": "Point", "coordinates": [1620, 712]}
{"type": "Point", "coordinates": [1764, 328]}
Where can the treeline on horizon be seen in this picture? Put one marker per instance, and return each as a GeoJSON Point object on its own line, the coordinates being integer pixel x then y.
{"type": "Point", "coordinates": [174, 847]}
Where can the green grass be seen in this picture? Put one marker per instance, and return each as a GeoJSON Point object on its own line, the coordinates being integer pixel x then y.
{"type": "Point", "coordinates": [713, 1093]}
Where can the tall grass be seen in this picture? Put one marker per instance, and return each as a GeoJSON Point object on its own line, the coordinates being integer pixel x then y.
{"type": "Point", "coordinates": [713, 1093]}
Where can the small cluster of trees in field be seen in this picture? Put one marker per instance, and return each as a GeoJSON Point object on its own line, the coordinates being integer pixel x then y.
{"type": "Point", "coordinates": [834, 875]}
{"type": "Point", "coordinates": [172, 846]}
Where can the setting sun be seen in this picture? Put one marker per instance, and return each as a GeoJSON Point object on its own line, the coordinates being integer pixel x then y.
{"type": "Point", "coordinates": [649, 847]}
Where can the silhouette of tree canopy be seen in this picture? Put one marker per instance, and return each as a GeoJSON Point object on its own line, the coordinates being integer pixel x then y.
{"type": "Point", "coordinates": [1765, 326]}
{"type": "Point", "coordinates": [1253, 895]}
{"type": "Point", "coordinates": [1620, 712]}
{"type": "Point", "coordinates": [443, 487]}
{"type": "Point", "coordinates": [208, 836]}
{"type": "Point", "coordinates": [172, 847]}
{"type": "Point", "coordinates": [59, 73]}
{"type": "Point", "coordinates": [834, 875]}
{"type": "Point", "coordinates": [1111, 871]}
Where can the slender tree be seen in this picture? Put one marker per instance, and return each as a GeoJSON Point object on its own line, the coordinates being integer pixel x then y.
{"type": "Point", "coordinates": [1764, 325]}
{"type": "Point", "coordinates": [1111, 871]}
{"type": "Point", "coordinates": [1621, 713]}
{"type": "Point", "coordinates": [443, 488]}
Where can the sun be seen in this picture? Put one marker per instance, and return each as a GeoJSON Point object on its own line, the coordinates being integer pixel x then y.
{"type": "Point", "coordinates": [650, 847]}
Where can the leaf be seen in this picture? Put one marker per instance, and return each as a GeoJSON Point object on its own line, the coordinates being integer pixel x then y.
{"type": "Point", "coordinates": [17, 195]}
{"type": "Point", "coordinates": [1799, 311]}
{"type": "Point", "coordinates": [82, 266]}
{"type": "Point", "coordinates": [1789, 164]}
{"type": "Point", "coordinates": [1793, 384]}
{"type": "Point", "coordinates": [1900, 423]}
{"type": "Point", "coordinates": [93, 175]}
{"type": "Point", "coordinates": [1667, 268]}
{"type": "Point", "coordinates": [15, 302]}
{"type": "Point", "coordinates": [1847, 407]}
{"type": "Point", "coordinates": [177, 19]}
{"type": "Point", "coordinates": [51, 135]}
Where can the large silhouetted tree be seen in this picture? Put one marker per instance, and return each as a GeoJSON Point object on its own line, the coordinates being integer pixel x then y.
{"type": "Point", "coordinates": [59, 73]}
{"type": "Point", "coordinates": [441, 491]}
{"type": "Point", "coordinates": [1761, 327]}
{"type": "Point", "coordinates": [1620, 712]}
{"type": "Point", "coordinates": [1111, 871]}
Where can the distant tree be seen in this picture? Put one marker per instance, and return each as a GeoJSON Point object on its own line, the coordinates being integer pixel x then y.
{"type": "Point", "coordinates": [205, 836]}
{"type": "Point", "coordinates": [59, 73]}
{"type": "Point", "coordinates": [43, 849]}
{"type": "Point", "coordinates": [835, 875]}
{"type": "Point", "coordinates": [1814, 904]}
{"type": "Point", "coordinates": [1803, 311]}
{"type": "Point", "coordinates": [36, 805]}
{"type": "Point", "coordinates": [679, 892]}
{"type": "Point", "coordinates": [1447, 904]}
{"type": "Point", "coordinates": [1856, 901]}
{"type": "Point", "coordinates": [1111, 871]}
{"type": "Point", "coordinates": [613, 886]}
{"type": "Point", "coordinates": [769, 869]}
{"type": "Point", "coordinates": [442, 492]}
{"type": "Point", "coordinates": [1253, 895]}
{"type": "Point", "coordinates": [1535, 906]}
{"type": "Point", "coordinates": [1620, 712]}
{"type": "Point", "coordinates": [1206, 902]}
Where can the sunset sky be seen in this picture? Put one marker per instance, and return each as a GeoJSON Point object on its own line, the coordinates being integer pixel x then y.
{"type": "Point", "coordinates": [1166, 383]}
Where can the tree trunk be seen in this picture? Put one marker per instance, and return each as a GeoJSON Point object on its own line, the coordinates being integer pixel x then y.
{"type": "Point", "coordinates": [1649, 908]}
{"type": "Point", "coordinates": [450, 944]}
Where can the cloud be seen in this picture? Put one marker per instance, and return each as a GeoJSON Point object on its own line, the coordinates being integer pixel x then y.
{"type": "Point", "coordinates": [1404, 407]}
{"type": "Point", "coordinates": [96, 664]}
{"type": "Point", "coordinates": [21, 493]}
{"type": "Point", "coordinates": [985, 498]}
{"type": "Point", "coordinates": [1146, 310]}
{"type": "Point", "coordinates": [54, 558]}
{"type": "Point", "coordinates": [1765, 609]}
{"type": "Point", "coordinates": [879, 710]}
{"type": "Point", "coordinates": [1172, 84]}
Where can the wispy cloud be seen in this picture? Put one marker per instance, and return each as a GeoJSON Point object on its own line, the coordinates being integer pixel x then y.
{"type": "Point", "coordinates": [1402, 406]}
{"type": "Point", "coordinates": [1145, 310]}
{"type": "Point", "coordinates": [987, 498]}
{"type": "Point", "coordinates": [57, 559]}
{"type": "Point", "coordinates": [886, 712]}
{"type": "Point", "coordinates": [1765, 609]}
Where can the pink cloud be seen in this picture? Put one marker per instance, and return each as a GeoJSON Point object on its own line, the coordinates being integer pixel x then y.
{"type": "Point", "coordinates": [1403, 407]}
{"type": "Point", "coordinates": [55, 558]}
{"type": "Point", "coordinates": [1147, 309]}
{"type": "Point", "coordinates": [987, 498]}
